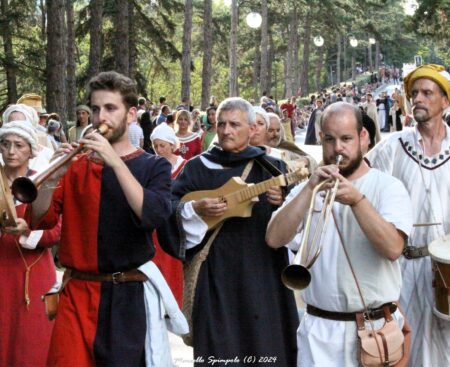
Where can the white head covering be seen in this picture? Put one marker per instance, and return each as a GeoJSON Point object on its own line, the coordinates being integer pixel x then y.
{"type": "Point", "coordinates": [25, 130]}
{"type": "Point", "coordinates": [166, 133]}
{"type": "Point", "coordinates": [29, 112]}
{"type": "Point", "coordinates": [261, 111]}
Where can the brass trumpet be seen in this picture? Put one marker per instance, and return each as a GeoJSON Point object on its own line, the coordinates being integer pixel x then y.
{"type": "Point", "coordinates": [297, 276]}
{"type": "Point", "coordinates": [25, 189]}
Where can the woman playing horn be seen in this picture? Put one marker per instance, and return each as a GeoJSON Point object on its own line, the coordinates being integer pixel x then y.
{"type": "Point", "coordinates": [27, 269]}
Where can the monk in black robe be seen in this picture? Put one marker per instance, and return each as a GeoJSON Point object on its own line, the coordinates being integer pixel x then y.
{"type": "Point", "coordinates": [241, 309]}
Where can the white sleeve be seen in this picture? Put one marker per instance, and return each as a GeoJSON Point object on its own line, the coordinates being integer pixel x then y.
{"type": "Point", "coordinates": [381, 156]}
{"type": "Point", "coordinates": [31, 241]}
{"type": "Point", "coordinates": [193, 225]}
{"type": "Point", "coordinates": [395, 206]}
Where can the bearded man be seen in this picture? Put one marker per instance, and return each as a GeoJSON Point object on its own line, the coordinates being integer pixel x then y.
{"type": "Point", "coordinates": [110, 201]}
{"type": "Point", "coordinates": [374, 223]}
{"type": "Point", "coordinates": [420, 158]}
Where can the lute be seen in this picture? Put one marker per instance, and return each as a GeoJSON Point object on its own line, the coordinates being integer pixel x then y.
{"type": "Point", "coordinates": [240, 196]}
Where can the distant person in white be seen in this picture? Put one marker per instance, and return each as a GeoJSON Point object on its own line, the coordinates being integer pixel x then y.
{"type": "Point", "coordinates": [135, 133]}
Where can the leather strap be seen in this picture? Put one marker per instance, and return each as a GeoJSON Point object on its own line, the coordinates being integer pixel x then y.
{"type": "Point", "coordinates": [374, 314]}
{"type": "Point", "coordinates": [385, 347]}
{"type": "Point", "coordinates": [119, 277]}
{"type": "Point", "coordinates": [413, 252]}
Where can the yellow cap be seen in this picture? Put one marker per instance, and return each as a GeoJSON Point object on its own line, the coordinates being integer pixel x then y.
{"type": "Point", "coordinates": [434, 72]}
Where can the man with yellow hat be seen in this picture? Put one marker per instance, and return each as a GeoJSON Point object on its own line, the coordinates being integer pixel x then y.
{"type": "Point", "coordinates": [420, 157]}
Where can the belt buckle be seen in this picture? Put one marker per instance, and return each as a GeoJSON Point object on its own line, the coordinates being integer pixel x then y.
{"type": "Point", "coordinates": [407, 252]}
{"type": "Point", "coordinates": [115, 277]}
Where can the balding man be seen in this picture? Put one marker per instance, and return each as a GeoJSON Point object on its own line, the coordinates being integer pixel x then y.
{"type": "Point", "coordinates": [373, 223]}
{"type": "Point", "coordinates": [420, 158]}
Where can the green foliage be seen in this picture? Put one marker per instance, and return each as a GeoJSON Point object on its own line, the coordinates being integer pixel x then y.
{"type": "Point", "coordinates": [157, 25]}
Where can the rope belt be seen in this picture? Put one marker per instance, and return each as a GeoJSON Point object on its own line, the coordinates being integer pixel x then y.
{"type": "Point", "coordinates": [374, 313]}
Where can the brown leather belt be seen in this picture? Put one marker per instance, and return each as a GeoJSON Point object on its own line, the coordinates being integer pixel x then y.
{"type": "Point", "coordinates": [374, 313]}
{"type": "Point", "coordinates": [118, 277]}
{"type": "Point", "coordinates": [413, 252]}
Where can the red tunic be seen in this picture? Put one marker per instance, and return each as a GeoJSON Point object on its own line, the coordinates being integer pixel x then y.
{"type": "Point", "coordinates": [189, 146]}
{"type": "Point", "coordinates": [25, 332]}
{"type": "Point", "coordinates": [103, 323]}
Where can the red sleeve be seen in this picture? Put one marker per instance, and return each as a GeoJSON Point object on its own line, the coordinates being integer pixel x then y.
{"type": "Point", "coordinates": [51, 218]}
{"type": "Point", "coordinates": [51, 237]}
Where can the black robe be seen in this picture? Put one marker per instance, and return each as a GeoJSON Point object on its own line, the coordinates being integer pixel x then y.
{"type": "Point", "coordinates": [241, 307]}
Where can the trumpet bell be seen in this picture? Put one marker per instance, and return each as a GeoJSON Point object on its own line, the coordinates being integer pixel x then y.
{"type": "Point", "coordinates": [296, 277]}
{"type": "Point", "coordinates": [24, 190]}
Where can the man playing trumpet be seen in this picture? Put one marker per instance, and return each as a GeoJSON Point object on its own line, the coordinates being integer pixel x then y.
{"type": "Point", "coordinates": [372, 212]}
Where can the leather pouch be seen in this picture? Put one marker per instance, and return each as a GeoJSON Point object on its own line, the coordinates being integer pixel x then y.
{"type": "Point", "coordinates": [388, 346]}
{"type": "Point", "coordinates": [51, 301]}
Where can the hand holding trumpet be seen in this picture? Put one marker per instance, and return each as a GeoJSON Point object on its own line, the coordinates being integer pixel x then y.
{"type": "Point", "coordinates": [346, 193]}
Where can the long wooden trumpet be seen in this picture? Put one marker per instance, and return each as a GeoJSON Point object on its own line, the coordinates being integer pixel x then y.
{"type": "Point", "coordinates": [25, 189]}
{"type": "Point", "coordinates": [297, 276]}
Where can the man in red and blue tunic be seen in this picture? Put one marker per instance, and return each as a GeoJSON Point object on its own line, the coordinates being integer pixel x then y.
{"type": "Point", "coordinates": [111, 200]}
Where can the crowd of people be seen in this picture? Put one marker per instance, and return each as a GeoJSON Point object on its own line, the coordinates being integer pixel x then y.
{"type": "Point", "coordinates": [168, 209]}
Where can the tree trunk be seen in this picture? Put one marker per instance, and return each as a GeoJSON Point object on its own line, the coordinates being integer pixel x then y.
{"type": "Point", "coordinates": [43, 19]}
{"type": "Point", "coordinates": [9, 65]}
{"type": "Point", "coordinates": [292, 37]}
{"type": "Point", "coordinates": [56, 59]}
{"type": "Point", "coordinates": [338, 60]}
{"type": "Point", "coordinates": [121, 42]}
{"type": "Point", "coordinates": [132, 41]}
{"type": "Point", "coordinates": [270, 60]}
{"type": "Point", "coordinates": [256, 68]}
{"type": "Point", "coordinates": [304, 81]}
{"type": "Point", "coordinates": [186, 53]}
{"type": "Point", "coordinates": [207, 53]}
{"type": "Point", "coordinates": [353, 65]}
{"type": "Point", "coordinates": [71, 79]}
{"type": "Point", "coordinates": [344, 74]}
{"type": "Point", "coordinates": [377, 56]}
{"type": "Point", "coordinates": [95, 30]}
{"type": "Point", "coordinates": [263, 76]}
{"type": "Point", "coordinates": [319, 66]}
{"type": "Point", "coordinates": [295, 49]}
{"type": "Point", "coordinates": [233, 85]}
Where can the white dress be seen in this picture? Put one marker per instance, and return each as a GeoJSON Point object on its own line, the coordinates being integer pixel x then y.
{"type": "Point", "coordinates": [399, 155]}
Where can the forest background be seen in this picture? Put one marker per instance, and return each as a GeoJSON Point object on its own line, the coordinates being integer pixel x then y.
{"type": "Point", "coordinates": [200, 48]}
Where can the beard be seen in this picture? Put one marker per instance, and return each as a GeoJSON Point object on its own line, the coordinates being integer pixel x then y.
{"type": "Point", "coordinates": [273, 142]}
{"type": "Point", "coordinates": [421, 115]}
{"type": "Point", "coordinates": [117, 133]}
{"type": "Point", "coordinates": [351, 166]}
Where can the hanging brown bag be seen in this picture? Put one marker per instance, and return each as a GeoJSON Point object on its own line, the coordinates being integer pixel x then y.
{"type": "Point", "coordinates": [388, 346]}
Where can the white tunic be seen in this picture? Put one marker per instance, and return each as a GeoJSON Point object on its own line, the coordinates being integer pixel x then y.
{"type": "Point", "coordinates": [325, 342]}
{"type": "Point", "coordinates": [399, 155]}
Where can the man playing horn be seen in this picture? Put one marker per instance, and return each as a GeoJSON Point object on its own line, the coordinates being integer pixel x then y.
{"type": "Point", "coordinates": [420, 158]}
{"type": "Point", "coordinates": [371, 210]}
{"type": "Point", "coordinates": [110, 200]}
